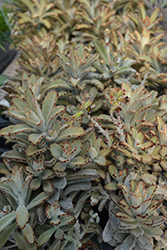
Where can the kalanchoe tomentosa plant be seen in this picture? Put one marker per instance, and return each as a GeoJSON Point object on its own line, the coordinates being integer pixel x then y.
{"type": "Point", "coordinates": [85, 138]}
{"type": "Point", "coordinates": [133, 223]}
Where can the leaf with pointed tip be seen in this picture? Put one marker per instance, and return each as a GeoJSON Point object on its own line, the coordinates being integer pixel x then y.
{"type": "Point", "coordinates": [124, 151]}
{"type": "Point", "coordinates": [71, 132]}
{"type": "Point", "coordinates": [101, 50]}
{"type": "Point", "coordinates": [48, 104]}
{"type": "Point", "coordinates": [40, 198]}
{"type": "Point", "coordinates": [44, 237]}
{"type": "Point", "coordinates": [125, 71]}
{"type": "Point", "coordinates": [13, 155]}
{"type": "Point", "coordinates": [19, 103]}
{"type": "Point", "coordinates": [7, 220]}
{"type": "Point", "coordinates": [153, 221]}
{"type": "Point", "coordinates": [53, 115]}
{"type": "Point", "coordinates": [22, 243]}
{"type": "Point", "coordinates": [5, 235]}
{"type": "Point", "coordinates": [32, 103]}
{"type": "Point", "coordinates": [125, 218]}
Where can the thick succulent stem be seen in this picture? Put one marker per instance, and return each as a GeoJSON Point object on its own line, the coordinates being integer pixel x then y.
{"type": "Point", "coordinates": [119, 126]}
{"type": "Point", "coordinates": [105, 133]}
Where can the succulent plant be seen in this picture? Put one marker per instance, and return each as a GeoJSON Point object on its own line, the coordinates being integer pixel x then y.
{"type": "Point", "coordinates": [86, 139]}
{"type": "Point", "coordinates": [125, 6]}
{"type": "Point", "coordinates": [133, 223]}
{"type": "Point", "coordinates": [112, 65]}
{"type": "Point", "coordinates": [156, 75]}
{"type": "Point", "coordinates": [38, 56]}
{"type": "Point", "coordinates": [59, 221]}
{"type": "Point", "coordinates": [79, 69]}
{"type": "Point", "coordinates": [18, 88]}
{"type": "Point", "coordinates": [140, 20]}
{"type": "Point", "coordinates": [142, 44]}
{"type": "Point", "coordinates": [127, 108]}
{"type": "Point", "coordinates": [66, 16]}
{"type": "Point", "coordinates": [95, 16]}
{"type": "Point", "coordinates": [17, 206]}
{"type": "Point", "coordinates": [32, 17]}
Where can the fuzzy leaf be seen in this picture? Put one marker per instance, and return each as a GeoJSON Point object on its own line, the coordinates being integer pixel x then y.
{"type": "Point", "coordinates": [97, 83]}
{"type": "Point", "coordinates": [48, 186]}
{"type": "Point", "coordinates": [35, 139]}
{"type": "Point", "coordinates": [100, 160]}
{"type": "Point", "coordinates": [43, 238]}
{"type": "Point", "coordinates": [29, 234]}
{"type": "Point", "coordinates": [5, 131]}
{"type": "Point", "coordinates": [82, 185]}
{"type": "Point", "coordinates": [124, 151]}
{"type": "Point", "coordinates": [56, 150]}
{"type": "Point", "coordinates": [77, 162]}
{"type": "Point", "coordinates": [112, 186]}
{"type": "Point", "coordinates": [125, 217]}
{"type": "Point", "coordinates": [47, 174]}
{"type": "Point", "coordinates": [40, 198]}
{"type": "Point", "coordinates": [35, 183]}
{"type": "Point", "coordinates": [101, 50]}
{"type": "Point", "coordinates": [125, 71]}
{"type": "Point", "coordinates": [71, 132]}
{"type": "Point", "coordinates": [153, 232]}
{"type": "Point", "coordinates": [137, 232]}
{"type": "Point", "coordinates": [4, 236]}
{"type": "Point", "coordinates": [84, 173]}
{"type": "Point", "coordinates": [58, 83]}
{"type": "Point", "coordinates": [21, 128]}
{"type": "Point", "coordinates": [6, 220]}
{"type": "Point", "coordinates": [32, 150]}
{"type": "Point", "coordinates": [22, 243]}
{"type": "Point", "coordinates": [48, 104]}
{"type": "Point", "coordinates": [60, 182]}
{"type": "Point", "coordinates": [22, 216]}
{"type": "Point", "coordinates": [128, 243]}
{"type": "Point", "coordinates": [53, 115]}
